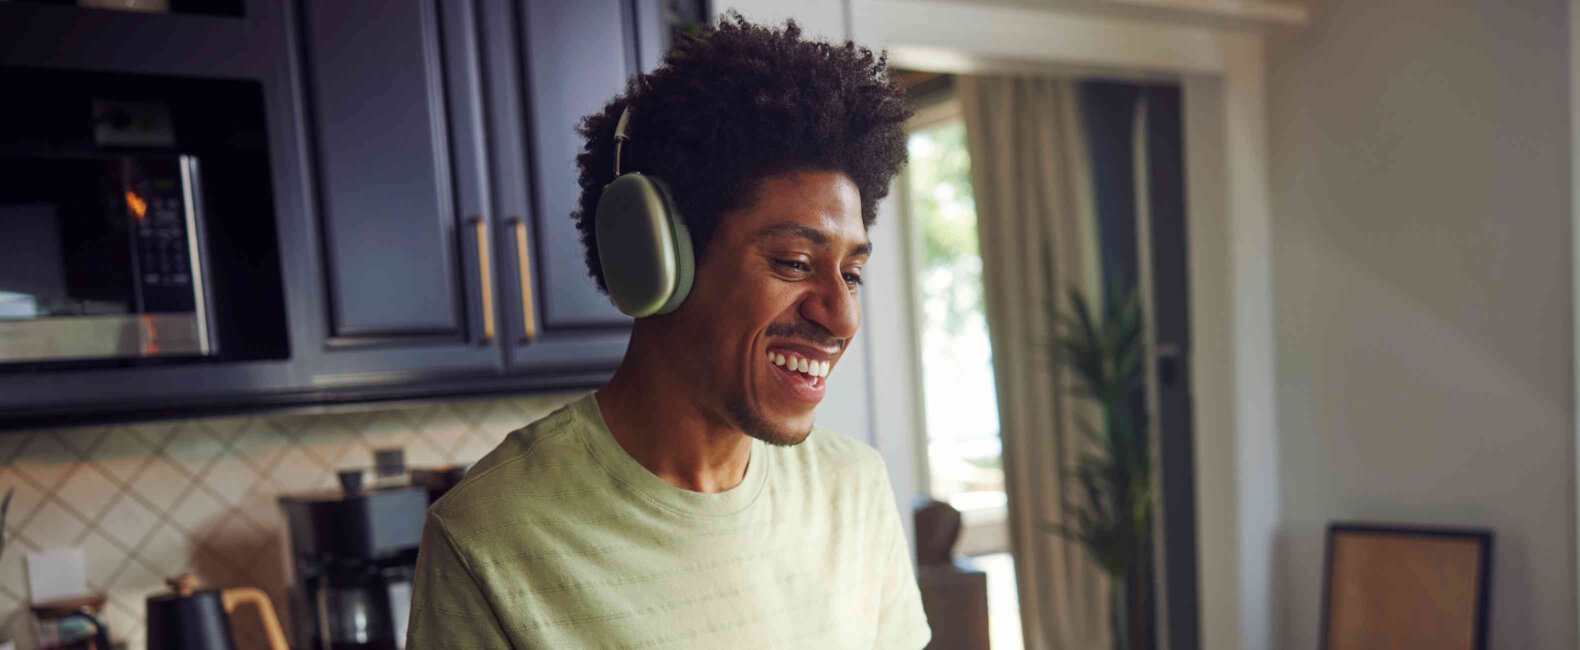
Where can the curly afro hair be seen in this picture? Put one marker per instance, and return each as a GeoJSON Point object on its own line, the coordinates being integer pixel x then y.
{"type": "Point", "coordinates": [737, 103]}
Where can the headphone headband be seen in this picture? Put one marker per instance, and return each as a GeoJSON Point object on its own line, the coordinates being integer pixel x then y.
{"type": "Point", "coordinates": [620, 136]}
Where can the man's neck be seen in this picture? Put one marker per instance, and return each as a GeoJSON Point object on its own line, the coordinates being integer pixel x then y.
{"type": "Point", "coordinates": [652, 410]}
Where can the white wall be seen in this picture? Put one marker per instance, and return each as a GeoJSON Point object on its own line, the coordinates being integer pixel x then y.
{"type": "Point", "coordinates": [1421, 273]}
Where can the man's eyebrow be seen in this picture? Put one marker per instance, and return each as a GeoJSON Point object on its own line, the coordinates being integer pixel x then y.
{"type": "Point", "coordinates": [817, 237]}
{"type": "Point", "coordinates": [803, 231]}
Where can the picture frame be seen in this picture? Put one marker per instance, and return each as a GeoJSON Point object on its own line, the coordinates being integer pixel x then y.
{"type": "Point", "coordinates": [1406, 587]}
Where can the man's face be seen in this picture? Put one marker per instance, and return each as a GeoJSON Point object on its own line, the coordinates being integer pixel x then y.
{"type": "Point", "coordinates": [777, 288]}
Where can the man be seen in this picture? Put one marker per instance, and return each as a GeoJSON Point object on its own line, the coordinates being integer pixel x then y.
{"type": "Point", "coordinates": [690, 502]}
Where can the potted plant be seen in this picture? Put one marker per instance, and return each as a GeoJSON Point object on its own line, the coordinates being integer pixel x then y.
{"type": "Point", "coordinates": [5, 507]}
{"type": "Point", "coordinates": [1110, 514]}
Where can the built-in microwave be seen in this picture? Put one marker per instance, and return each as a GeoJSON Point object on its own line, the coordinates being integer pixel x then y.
{"type": "Point", "coordinates": [102, 257]}
{"type": "Point", "coordinates": [137, 223]}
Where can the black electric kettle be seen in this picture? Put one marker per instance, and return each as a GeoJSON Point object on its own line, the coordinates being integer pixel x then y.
{"type": "Point", "coordinates": [186, 619]}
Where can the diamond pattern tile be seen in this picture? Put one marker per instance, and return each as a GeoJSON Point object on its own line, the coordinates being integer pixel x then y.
{"type": "Point", "coordinates": [168, 551]}
{"type": "Point", "coordinates": [198, 514]}
{"type": "Point", "coordinates": [422, 453]}
{"type": "Point", "coordinates": [83, 439]}
{"type": "Point", "coordinates": [155, 499]}
{"type": "Point", "coordinates": [260, 445]}
{"type": "Point", "coordinates": [12, 443]}
{"type": "Point", "coordinates": [498, 421]}
{"type": "Point", "coordinates": [136, 578]}
{"type": "Point", "coordinates": [236, 540]}
{"type": "Point", "coordinates": [160, 483]}
{"type": "Point", "coordinates": [387, 430]}
{"type": "Point", "coordinates": [193, 449]}
{"type": "Point", "coordinates": [13, 577]}
{"type": "Point", "coordinates": [260, 508]}
{"type": "Point", "coordinates": [229, 479]}
{"type": "Point", "coordinates": [46, 460]}
{"type": "Point", "coordinates": [24, 500]}
{"type": "Point", "coordinates": [227, 428]}
{"type": "Point", "coordinates": [327, 444]}
{"type": "Point", "coordinates": [53, 526]}
{"type": "Point", "coordinates": [442, 423]}
{"type": "Point", "coordinates": [298, 471]}
{"type": "Point", "coordinates": [122, 455]}
{"type": "Point", "coordinates": [216, 571]}
{"type": "Point", "coordinates": [470, 451]}
{"type": "Point", "coordinates": [156, 433]}
{"type": "Point", "coordinates": [104, 559]}
{"type": "Point", "coordinates": [127, 521]}
{"type": "Point", "coordinates": [16, 626]}
{"type": "Point", "coordinates": [88, 490]}
{"type": "Point", "coordinates": [8, 601]}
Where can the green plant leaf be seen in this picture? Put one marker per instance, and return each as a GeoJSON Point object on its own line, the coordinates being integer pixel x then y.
{"type": "Point", "coordinates": [5, 508]}
{"type": "Point", "coordinates": [1109, 509]}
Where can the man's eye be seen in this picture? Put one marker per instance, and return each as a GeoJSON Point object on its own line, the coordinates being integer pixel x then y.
{"type": "Point", "coordinates": [853, 279]}
{"type": "Point", "coordinates": [794, 265]}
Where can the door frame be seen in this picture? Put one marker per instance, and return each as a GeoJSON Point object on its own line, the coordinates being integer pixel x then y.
{"type": "Point", "coordinates": [1220, 70]}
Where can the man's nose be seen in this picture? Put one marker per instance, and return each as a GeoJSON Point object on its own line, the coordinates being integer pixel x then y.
{"type": "Point", "coordinates": [835, 307]}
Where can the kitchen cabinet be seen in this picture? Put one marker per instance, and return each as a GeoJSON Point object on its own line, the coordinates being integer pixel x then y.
{"type": "Point", "coordinates": [556, 315]}
{"type": "Point", "coordinates": [596, 35]}
{"type": "Point", "coordinates": [422, 163]}
{"type": "Point", "coordinates": [392, 95]}
{"type": "Point", "coordinates": [493, 278]}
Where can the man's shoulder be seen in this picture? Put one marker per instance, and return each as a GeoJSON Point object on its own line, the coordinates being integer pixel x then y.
{"type": "Point", "coordinates": [830, 455]}
{"type": "Point", "coordinates": [528, 464]}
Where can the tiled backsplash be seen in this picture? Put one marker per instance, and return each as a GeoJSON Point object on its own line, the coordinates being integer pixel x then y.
{"type": "Point", "coordinates": [149, 500]}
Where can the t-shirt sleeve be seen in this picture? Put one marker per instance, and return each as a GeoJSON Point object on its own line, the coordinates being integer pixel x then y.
{"type": "Point", "coordinates": [448, 607]}
{"type": "Point", "coordinates": [902, 625]}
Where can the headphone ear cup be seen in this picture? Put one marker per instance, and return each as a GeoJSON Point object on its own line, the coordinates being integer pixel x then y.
{"type": "Point", "coordinates": [644, 249]}
{"type": "Point", "coordinates": [685, 259]}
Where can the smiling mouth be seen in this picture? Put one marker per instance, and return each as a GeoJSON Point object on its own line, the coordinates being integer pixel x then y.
{"type": "Point", "coordinates": [803, 376]}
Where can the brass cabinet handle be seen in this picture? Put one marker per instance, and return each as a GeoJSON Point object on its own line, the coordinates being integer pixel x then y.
{"type": "Point", "coordinates": [529, 326]}
{"type": "Point", "coordinates": [485, 272]}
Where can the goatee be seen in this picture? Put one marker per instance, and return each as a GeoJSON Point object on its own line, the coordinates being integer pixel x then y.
{"type": "Point", "coordinates": [753, 424]}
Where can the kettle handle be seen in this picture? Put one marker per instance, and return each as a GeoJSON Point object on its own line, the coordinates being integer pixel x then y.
{"type": "Point", "coordinates": [271, 623]}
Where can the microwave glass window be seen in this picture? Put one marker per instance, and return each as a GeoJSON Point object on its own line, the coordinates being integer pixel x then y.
{"type": "Point", "coordinates": [100, 258]}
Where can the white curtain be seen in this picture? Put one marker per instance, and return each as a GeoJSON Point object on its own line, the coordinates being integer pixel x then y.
{"type": "Point", "coordinates": [1031, 182]}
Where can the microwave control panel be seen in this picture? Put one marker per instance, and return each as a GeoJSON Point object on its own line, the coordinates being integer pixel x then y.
{"type": "Point", "coordinates": [163, 248]}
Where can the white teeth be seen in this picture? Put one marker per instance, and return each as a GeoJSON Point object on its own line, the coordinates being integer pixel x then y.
{"type": "Point", "coordinates": [801, 364]}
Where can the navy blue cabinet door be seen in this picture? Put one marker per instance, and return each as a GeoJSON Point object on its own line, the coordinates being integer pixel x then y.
{"type": "Point", "coordinates": [393, 96]}
{"type": "Point", "coordinates": [385, 201]}
{"type": "Point", "coordinates": [576, 55]}
{"type": "Point", "coordinates": [550, 62]}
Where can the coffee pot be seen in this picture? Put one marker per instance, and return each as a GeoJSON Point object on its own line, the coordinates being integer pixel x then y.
{"type": "Point", "coordinates": [189, 619]}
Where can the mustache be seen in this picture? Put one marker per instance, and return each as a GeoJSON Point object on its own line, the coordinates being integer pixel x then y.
{"type": "Point", "coordinates": [812, 333]}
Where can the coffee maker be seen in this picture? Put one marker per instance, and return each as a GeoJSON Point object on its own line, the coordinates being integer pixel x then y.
{"type": "Point", "coordinates": [353, 552]}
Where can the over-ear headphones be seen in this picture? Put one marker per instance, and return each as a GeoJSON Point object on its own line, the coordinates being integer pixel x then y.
{"type": "Point", "coordinates": [644, 247]}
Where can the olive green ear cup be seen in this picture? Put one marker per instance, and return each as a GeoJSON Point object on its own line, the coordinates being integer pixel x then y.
{"type": "Point", "coordinates": [644, 247]}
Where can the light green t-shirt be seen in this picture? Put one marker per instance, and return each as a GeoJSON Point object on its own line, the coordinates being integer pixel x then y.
{"type": "Point", "coordinates": [559, 539]}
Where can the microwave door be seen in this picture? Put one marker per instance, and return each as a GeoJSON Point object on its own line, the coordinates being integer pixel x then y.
{"type": "Point", "coordinates": [97, 259]}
